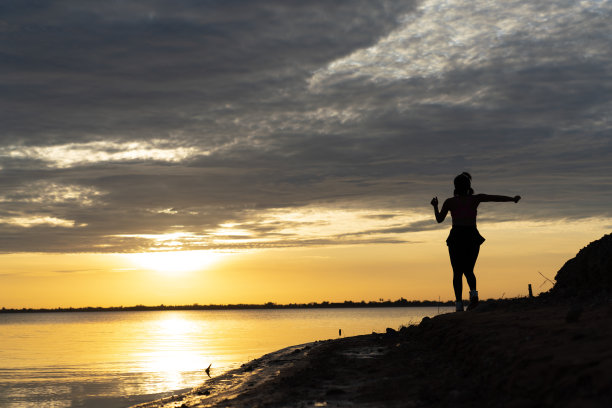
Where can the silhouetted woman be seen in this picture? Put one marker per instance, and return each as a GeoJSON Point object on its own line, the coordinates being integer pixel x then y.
{"type": "Point", "coordinates": [464, 239]}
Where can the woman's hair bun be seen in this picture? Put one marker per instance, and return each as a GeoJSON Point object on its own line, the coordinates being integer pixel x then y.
{"type": "Point", "coordinates": [463, 184]}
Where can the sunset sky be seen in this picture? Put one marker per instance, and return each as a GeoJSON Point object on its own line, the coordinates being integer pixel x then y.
{"type": "Point", "coordinates": [225, 151]}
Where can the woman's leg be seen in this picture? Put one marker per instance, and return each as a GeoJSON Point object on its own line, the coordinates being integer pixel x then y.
{"type": "Point", "coordinates": [457, 258]}
{"type": "Point", "coordinates": [471, 256]}
{"type": "Point", "coordinates": [468, 268]}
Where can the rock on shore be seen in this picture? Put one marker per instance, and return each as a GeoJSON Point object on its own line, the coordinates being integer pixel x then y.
{"type": "Point", "coordinates": [589, 272]}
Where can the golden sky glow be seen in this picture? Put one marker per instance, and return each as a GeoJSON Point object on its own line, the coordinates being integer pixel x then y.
{"type": "Point", "coordinates": [511, 258]}
{"type": "Point", "coordinates": [174, 263]}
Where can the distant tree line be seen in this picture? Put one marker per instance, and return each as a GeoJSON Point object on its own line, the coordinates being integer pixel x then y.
{"type": "Point", "coordinates": [241, 306]}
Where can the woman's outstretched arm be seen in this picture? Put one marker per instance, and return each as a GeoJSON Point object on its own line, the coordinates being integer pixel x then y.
{"type": "Point", "coordinates": [483, 198]}
{"type": "Point", "coordinates": [440, 215]}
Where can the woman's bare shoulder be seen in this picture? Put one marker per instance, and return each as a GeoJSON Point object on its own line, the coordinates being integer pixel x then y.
{"type": "Point", "coordinates": [449, 202]}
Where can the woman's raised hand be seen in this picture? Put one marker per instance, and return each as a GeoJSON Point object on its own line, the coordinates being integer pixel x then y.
{"type": "Point", "coordinates": [517, 198]}
{"type": "Point", "coordinates": [434, 201]}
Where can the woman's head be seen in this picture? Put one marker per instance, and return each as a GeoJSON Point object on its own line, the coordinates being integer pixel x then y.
{"type": "Point", "coordinates": [463, 184]}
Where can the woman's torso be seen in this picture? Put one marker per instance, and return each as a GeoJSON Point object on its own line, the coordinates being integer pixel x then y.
{"type": "Point", "coordinates": [463, 210]}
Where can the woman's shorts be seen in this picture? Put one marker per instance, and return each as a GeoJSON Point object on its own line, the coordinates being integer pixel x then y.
{"type": "Point", "coordinates": [461, 236]}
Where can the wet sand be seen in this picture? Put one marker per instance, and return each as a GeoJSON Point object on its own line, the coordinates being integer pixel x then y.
{"type": "Point", "coordinates": [518, 353]}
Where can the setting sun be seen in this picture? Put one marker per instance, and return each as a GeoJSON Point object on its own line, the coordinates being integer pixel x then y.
{"type": "Point", "coordinates": [174, 262]}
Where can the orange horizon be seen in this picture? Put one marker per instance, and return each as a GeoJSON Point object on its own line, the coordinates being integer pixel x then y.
{"type": "Point", "coordinates": [514, 256]}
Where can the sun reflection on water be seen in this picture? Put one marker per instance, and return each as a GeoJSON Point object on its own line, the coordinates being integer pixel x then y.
{"type": "Point", "coordinates": [174, 351]}
{"type": "Point", "coordinates": [108, 358]}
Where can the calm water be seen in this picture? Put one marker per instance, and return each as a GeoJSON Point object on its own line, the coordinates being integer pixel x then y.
{"type": "Point", "coordinates": [116, 359]}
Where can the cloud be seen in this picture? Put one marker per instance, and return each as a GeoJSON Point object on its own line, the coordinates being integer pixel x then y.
{"type": "Point", "coordinates": [452, 36]}
{"type": "Point", "coordinates": [138, 120]}
{"type": "Point", "coordinates": [28, 222]}
{"type": "Point", "coordinates": [79, 154]}
{"type": "Point", "coordinates": [49, 193]}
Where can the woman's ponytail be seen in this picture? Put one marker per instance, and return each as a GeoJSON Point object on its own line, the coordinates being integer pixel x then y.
{"type": "Point", "coordinates": [463, 184]}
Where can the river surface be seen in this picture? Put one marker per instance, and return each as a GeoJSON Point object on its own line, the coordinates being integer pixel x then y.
{"type": "Point", "coordinates": [117, 359]}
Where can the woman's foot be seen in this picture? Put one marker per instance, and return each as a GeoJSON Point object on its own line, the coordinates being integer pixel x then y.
{"type": "Point", "coordinates": [473, 300]}
{"type": "Point", "coordinates": [459, 306]}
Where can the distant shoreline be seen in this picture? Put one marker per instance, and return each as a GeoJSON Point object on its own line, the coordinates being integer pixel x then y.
{"type": "Point", "coordinates": [270, 305]}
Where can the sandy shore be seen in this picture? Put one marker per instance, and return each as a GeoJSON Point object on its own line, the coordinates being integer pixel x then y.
{"type": "Point", "coordinates": [521, 353]}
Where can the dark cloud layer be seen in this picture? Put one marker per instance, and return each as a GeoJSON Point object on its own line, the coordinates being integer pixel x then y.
{"type": "Point", "coordinates": [125, 120]}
